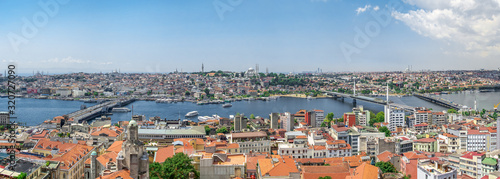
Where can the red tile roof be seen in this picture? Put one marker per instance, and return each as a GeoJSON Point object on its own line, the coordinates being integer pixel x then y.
{"type": "Point", "coordinates": [164, 153]}
{"type": "Point", "coordinates": [470, 155]}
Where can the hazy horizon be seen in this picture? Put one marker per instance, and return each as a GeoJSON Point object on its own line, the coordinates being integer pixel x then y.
{"type": "Point", "coordinates": [64, 36]}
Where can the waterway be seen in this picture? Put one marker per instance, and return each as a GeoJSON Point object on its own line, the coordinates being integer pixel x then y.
{"type": "Point", "coordinates": [35, 111]}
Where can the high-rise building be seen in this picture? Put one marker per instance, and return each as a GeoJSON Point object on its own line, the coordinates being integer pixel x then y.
{"type": "Point", "coordinates": [240, 122]}
{"type": "Point", "coordinates": [319, 117]}
{"type": "Point", "coordinates": [288, 121]}
{"type": "Point", "coordinates": [309, 117]}
{"type": "Point", "coordinates": [422, 116]}
{"type": "Point", "coordinates": [314, 118]}
{"type": "Point", "coordinates": [350, 119]}
{"type": "Point", "coordinates": [395, 117]}
{"type": "Point", "coordinates": [274, 117]}
{"type": "Point", "coordinates": [362, 116]}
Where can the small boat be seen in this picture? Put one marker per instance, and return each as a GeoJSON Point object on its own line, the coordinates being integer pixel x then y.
{"type": "Point", "coordinates": [227, 105]}
{"type": "Point", "coordinates": [191, 114]}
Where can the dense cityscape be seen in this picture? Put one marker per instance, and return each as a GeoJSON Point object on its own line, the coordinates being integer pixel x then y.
{"type": "Point", "coordinates": [398, 142]}
{"type": "Point", "coordinates": [250, 89]}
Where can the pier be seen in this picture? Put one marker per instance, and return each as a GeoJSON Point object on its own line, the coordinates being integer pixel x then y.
{"type": "Point", "coordinates": [98, 110]}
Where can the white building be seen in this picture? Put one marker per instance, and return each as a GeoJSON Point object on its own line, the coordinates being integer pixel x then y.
{"type": "Point", "coordinates": [435, 171]}
{"type": "Point", "coordinates": [362, 116]}
{"type": "Point", "coordinates": [63, 91]}
{"type": "Point", "coordinates": [300, 148]}
{"type": "Point", "coordinates": [422, 116]}
{"type": "Point", "coordinates": [78, 93]}
{"type": "Point", "coordinates": [477, 140]}
{"type": "Point", "coordinates": [395, 117]}
{"type": "Point", "coordinates": [251, 72]}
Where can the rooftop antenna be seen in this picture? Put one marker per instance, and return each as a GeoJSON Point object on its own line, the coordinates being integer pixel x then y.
{"type": "Point", "coordinates": [475, 102]}
{"type": "Point", "coordinates": [354, 86]}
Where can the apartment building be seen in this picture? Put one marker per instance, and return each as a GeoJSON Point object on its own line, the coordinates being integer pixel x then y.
{"type": "Point", "coordinates": [470, 164]}
{"type": "Point", "coordinates": [477, 140]}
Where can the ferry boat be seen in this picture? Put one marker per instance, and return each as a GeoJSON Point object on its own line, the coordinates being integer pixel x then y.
{"type": "Point", "coordinates": [487, 90]}
{"type": "Point", "coordinates": [191, 114]}
{"type": "Point", "coordinates": [120, 110]}
{"type": "Point", "coordinates": [227, 105]}
{"type": "Point", "coordinates": [206, 118]}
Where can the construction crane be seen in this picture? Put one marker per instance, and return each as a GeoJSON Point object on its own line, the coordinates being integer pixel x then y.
{"type": "Point", "coordinates": [496, 107]}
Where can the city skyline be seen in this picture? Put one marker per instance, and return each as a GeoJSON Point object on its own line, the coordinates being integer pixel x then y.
{"type": "Point", "coordinates": [284, 36]}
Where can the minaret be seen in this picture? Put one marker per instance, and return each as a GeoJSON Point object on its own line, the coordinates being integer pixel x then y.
{"type": "Point", "coordinates": [93, 165]}
{"type": "Point", "coordinates": [202, 68]}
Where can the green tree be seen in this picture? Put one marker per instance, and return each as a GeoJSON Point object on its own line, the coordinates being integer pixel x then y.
{"type": "Point", "coordinates": [380, 116]}
{"type": "Point", "coordinates": [372, 121]}
{"type": "Point", "coordinates": [327, 177]}
{"type": "Point", "coordinates": [207, 91]}
{"type": "Point", "coordinates": [372, 115]}
{"type": "Point", "coordinates": [252, 116]}
{"type": "Point", "coordinates": [222, 130]}
{"type": "Point", "coordinates": [21, 176]}
{"type": "Point", "coordinates": [452, 111]}
{"type": "Point", "coordinates": [385, 130]}
{"type": "Point", "coordinates": [178, 166]}
{"type": "Point", "coordinates": [207, 130]}
{"type": "Point", "coordinates": [329, 116]}
{"type": "Point", "coordinates": [386, 167]}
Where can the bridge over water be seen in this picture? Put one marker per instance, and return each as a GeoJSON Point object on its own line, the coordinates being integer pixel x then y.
{"type": "Point", "coordinates": [337, 95]}
{"type": "Point", "coordinates": [439, 101]}
{"type": "Point", "coordinates": [98, 110]}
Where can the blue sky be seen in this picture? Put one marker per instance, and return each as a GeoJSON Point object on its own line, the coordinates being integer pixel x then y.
{"type": "Point", "coordinates": [282, 35]}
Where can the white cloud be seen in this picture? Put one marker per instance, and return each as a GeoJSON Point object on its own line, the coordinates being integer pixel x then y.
{"type": "Point", "coordinates": [474, 24]}
{"type": "Point", "coordinates": [362, 9]}
{"type": "Point", "coordinates": [376, 8]}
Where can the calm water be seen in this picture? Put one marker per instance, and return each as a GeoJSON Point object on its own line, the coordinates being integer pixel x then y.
{"type": "Point", "coordinates": [35, 111]}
